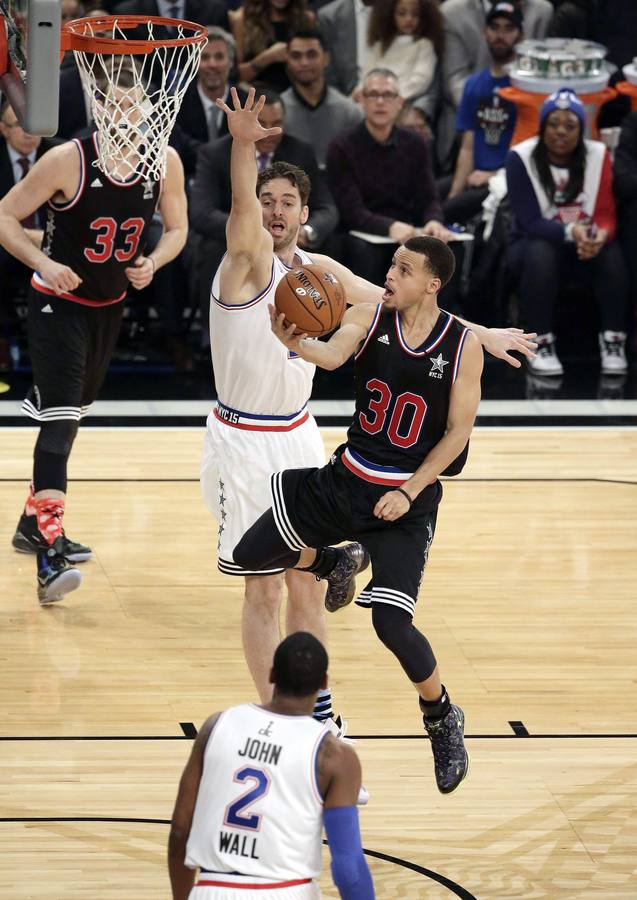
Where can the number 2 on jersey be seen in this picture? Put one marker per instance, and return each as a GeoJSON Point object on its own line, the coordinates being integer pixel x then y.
{"type": "Point", "coordinates": [233, 816]}
{"type": "Point", "coordinates": [379, 405]}
{"type": "Point", "coordinates": [105, 239]}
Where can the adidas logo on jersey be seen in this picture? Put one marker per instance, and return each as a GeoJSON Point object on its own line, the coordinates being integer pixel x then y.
{"type": "Point", "coordinates": [383, 339]}
{"type": "Point", "coordinates": [96, 183]}
{"type": "Point", "coordinates": [47, 308]}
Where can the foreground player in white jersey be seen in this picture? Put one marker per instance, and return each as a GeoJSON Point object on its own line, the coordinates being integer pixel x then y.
{"type": "Point", "coordinates": [261, 423]}
{"type": "Point", "coordinates": [260, 784]}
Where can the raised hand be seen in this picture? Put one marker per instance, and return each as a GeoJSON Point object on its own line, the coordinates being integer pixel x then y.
{"type": "Point", "coordinates": [499, 341]}
{"type": "Point", "coordinates": [243, 121]}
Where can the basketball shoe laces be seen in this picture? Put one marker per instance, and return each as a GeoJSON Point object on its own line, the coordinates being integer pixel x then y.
{"type": "Point", "coordinates": [446, 742]}
{"type": "Point", "coordinates": [613, 348]}
{"type": "Point", "coordinates": [49, 518]}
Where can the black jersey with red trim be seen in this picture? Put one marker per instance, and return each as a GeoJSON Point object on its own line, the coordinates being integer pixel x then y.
{"type": "Point", "coordinates": [403, 395]}
{"type": "Point", "coordinates": [100, 231]}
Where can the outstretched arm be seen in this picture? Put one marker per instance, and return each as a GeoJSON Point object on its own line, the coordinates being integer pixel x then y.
{"type": "Point", "coordinates": [500, 342]}
{"type": "Point", "coordinates": [244, 232]}
{"type": "Point", "coordinates": [326, 354]}
{"type": "Point", "coordinates": [357, 289]}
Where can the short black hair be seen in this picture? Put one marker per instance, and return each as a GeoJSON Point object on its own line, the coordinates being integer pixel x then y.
{"type": "Point", "coordinates": [439, 259]}
{"type": "Point", "coordinates": [300, 665]}
{"type": "Point", "coordinates": [309, 34]}
{"type": "Point", "coordinates": [271, 96]}
{"type": "Point", "coordinates": [293, 174]}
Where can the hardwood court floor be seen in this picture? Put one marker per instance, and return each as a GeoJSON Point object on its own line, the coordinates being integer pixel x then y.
{"type": "Point", "coordinates": [529, 602]}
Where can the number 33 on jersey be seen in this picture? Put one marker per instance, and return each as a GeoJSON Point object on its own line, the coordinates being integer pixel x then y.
{"type": "Point", "coordinates": [94, 233]}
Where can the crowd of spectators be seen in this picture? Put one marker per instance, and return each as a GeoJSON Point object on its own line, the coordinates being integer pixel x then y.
{"type": "Point", "coordinates": [393, 109]}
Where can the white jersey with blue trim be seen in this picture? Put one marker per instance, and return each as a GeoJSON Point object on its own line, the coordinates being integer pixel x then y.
{"type": "Point", "coordinates": [258, 811]}
{"type": "Point", "coordinates": [254, 372]}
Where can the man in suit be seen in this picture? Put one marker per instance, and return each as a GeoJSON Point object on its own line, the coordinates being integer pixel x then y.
{"type": "Point", "coordinates": [344, 25]}
{"type": "Point", "coordinates": [466, 51]}
{"type": "Point", "coordinates": [205, 12]}
{"type": "Point", "coordinates": [199, 119]}
{"type": "Point", "coordinates": [211, 196]}
{"type": "Point", "coordinates": [18, 152]}
{"type": "Point", "coordinates": [74, 114]}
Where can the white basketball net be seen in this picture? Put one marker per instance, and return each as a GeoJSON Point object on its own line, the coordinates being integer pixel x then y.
{"type": "Point", "coordinates": [135, 98]}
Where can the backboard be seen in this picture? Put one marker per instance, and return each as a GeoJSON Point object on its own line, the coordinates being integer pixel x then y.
{"type": "Point", "coordinates": [30, 61]}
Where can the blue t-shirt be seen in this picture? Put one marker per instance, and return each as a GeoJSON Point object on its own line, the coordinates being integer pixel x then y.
{"type": "Point", "coordinates": [491, 119]}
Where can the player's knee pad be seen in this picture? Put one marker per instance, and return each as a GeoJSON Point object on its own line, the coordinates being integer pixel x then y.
{"type": "Point", "coordinates": [391, 625]}
{"type": "Point", "coordinates": [395, 629]}
{"type": "Point", "coordinates": [57, 437]}
{"type": "Point", "coordinates": [262, 547]}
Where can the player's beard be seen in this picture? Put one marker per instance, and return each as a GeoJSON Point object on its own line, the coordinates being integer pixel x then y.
{"type": "Point", "coordinates": [284, 240]}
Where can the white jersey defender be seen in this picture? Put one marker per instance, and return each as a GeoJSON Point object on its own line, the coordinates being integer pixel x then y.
{"type": "Point", "coordinates": [258, 817]}
{"type": "Point", "coordinates": [260, 423]}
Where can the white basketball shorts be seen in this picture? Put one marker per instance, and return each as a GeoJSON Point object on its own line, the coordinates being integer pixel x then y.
{"type": "Point", "coordinates": [241, 451]}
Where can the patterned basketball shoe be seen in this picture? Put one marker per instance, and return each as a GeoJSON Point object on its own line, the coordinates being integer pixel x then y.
{"type": "Point", "coordinates": [451, 760]}
{"type": "Point", "coordinates": [27, 539]}
{"type": "Point", "coordinates": [56, 576]}
{"type": "Point", "coordinates": [338, 727]}
{"type": "Point", "coordinates": [341, 581]}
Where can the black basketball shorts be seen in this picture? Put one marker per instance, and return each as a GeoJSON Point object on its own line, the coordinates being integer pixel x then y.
{"type": "Point", "coordinates": [70, 346]}
{"type": "Point", "coordinates": [320, 507]}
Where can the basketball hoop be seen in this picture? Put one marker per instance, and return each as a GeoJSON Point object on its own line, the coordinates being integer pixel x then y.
{"type": "Point", "coordinates": [136, 83]}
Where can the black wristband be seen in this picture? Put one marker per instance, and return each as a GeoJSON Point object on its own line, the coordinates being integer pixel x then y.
{"type": "Point", "coordinates": [405, 494]}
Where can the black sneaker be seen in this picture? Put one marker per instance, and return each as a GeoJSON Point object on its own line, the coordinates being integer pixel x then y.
{"type": "Point", "coordinates": [341, 584]}
{"type": "Point", "coordinates": [451, 760]}
{"type": "Point", "coordinates": [56, 577]}
{"type": "Point", "coordinates": [27, 539]}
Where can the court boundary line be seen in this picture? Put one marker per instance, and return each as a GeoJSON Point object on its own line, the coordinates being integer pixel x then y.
{"type": "Point", "coordinates": [11, 738]}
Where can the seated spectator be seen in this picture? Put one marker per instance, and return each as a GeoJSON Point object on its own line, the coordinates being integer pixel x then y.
{"type": "Point", "coordinates": [560, 192]}
{"type": "Point", "coordinates": [344, 24]}
{"type": "Point", "coordinates": [18, 152]}
{"type": "Point", "coordinates": [205, 12]}
{"type": "Point", "coordinates": [406, 37]}
{"type": "Point", "coordinates": [199, 119]}
{"type": "Point", "coordinates": [211, 196]}
{"type": "Point", "coordinates": [314, 111]}
{"type": "Point", "coordinates": [626, 194]}
{"type": "Point", "coordinates": [485, 121]}
{"type": "Point", "coordinates": [466, 52]}
{"type": "Point", "coordinates": [262, 29]}
{"type": "Point", "coordinates": [380, 176]}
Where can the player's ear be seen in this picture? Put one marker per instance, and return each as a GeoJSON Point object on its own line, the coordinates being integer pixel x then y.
{"type": "Point", "coordinates": [305, 214]}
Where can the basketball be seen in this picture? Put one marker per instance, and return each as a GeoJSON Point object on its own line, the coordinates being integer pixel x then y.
{"type": "Point", "coordinates": [313, 298]}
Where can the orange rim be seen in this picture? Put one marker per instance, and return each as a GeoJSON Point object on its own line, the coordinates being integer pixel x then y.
{"type": "Point", "coordinates": [82, 35]}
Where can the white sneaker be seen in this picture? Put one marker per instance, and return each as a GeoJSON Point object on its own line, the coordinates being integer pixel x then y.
{"type": "Point", "coordinates": [338, 727]}
{"type": "Point", "coordinates": [612, 348]}
{"type": "Point", "coordinates": [546, 361]}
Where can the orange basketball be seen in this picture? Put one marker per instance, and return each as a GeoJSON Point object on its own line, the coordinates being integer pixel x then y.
{"type": "Point", "coordinates": [313, 298]}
